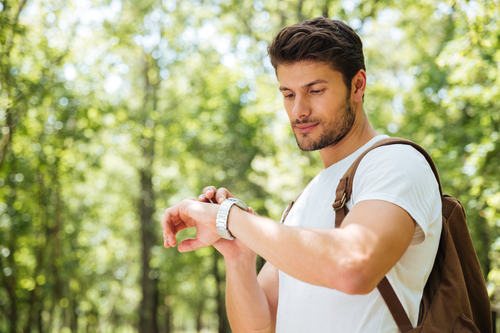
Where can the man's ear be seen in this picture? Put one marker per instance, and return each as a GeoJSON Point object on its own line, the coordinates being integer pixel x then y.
{"type": "Point", "coordinates": [358, 86]}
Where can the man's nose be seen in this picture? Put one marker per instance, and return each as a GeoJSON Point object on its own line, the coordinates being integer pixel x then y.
{"type": "Point", "coordinates": [301, 108]}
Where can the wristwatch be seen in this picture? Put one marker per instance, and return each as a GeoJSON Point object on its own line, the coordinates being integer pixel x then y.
{"type": "Point", "coordinates": [223, 214]}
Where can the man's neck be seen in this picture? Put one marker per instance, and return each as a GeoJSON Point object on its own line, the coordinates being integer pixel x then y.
{"type": "Point", "coordinates": [360, 133]}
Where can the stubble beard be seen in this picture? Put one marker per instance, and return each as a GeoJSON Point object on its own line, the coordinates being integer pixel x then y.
{"type": "Point", "coordinates": [332, 133]}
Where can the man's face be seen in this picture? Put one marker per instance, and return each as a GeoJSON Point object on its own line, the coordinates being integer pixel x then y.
{"type": "Point", "coordinates": [317, 102]}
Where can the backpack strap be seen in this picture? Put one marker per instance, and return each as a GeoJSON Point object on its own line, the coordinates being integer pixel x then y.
{"type": "Point", "coordinates": [343, 195]}
{"type": "Point", "coordinates": [290, 205]}
{"type": "Point", "coordinates": [394, 304]}
{"type": "Point", "coordinates": [344, 189]}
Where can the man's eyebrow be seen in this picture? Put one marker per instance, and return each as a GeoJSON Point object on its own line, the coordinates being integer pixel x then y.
{"type": "Point", "coordinates": [305, 85]}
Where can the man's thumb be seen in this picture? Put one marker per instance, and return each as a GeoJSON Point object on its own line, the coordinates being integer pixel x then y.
{"type": "Point", "coordinates": [189, 244]}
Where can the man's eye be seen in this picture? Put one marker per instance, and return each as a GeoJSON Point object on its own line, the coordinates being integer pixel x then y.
{"type": "Point", "coordinates": [289, 95]}
{"type": "Point", "coordinates": [316, 91]}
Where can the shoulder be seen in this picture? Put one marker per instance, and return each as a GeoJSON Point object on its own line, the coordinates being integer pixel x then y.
{"type": "Point", "coordinates": [397, 160]}
{"type": "Point", "coordinates": [395, 151]}
{"type": "Point", "coordinates": [401, 175]}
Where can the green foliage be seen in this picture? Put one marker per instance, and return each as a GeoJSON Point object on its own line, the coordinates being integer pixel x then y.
{"type": "Point", "coordinates": [111, 111]}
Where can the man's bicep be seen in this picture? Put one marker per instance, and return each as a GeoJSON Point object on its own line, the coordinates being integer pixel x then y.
{"type": "Point", "coordinates": [268, 279]}
{"type": "Point", "coordinates": [381, 232]}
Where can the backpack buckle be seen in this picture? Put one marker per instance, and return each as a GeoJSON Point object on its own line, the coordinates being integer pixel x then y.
{"type": "Point", "coordinates": [340, 204]}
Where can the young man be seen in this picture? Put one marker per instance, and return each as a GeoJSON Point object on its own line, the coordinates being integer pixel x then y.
{"type": "Point", "coordinates": [319, 278]}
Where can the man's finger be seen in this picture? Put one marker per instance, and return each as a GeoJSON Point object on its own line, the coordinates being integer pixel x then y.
{"type": "Point", "coordinates": [168, 227]}
{"type": "Point", "coordinates": [179, 227]}
{"type": "Point", "coordinates": [209, 192]}
{"type": "Point", "coordinates": [166, 219]}
{"type": "Point", "coordinates": [202, 198]}
{"type": "Point", "coordinates": [189, 244]}
{"type": "Point", "coordinates": [222, 194]}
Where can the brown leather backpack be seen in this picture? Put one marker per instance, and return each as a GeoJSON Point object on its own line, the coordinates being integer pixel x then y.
{"type": "Point", "coordinates": [455, 299]}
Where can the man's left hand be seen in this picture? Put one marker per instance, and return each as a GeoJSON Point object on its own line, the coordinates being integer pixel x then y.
{"type": "Point", "coordinates": [190, 214]}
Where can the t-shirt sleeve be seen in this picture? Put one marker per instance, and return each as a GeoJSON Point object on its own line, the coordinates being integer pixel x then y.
{"type": "Point", "coordinates": [401, 175]}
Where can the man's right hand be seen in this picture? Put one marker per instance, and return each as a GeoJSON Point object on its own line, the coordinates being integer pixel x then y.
{"type": "Point", "coordinates": [230, 249]}
{"type": "Point", "coordinates": [214, 195]}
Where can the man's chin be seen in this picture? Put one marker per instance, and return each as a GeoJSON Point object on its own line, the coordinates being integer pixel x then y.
{"type": "Point", "coordinates": [306, 145]}
{"type": "Point", "coordinates": [307, 148]}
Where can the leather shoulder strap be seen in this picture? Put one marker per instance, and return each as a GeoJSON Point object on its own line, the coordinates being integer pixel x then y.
{"type": "Point", "coordinates": [290, 205]}
{"type": "Point", "coordinates": [343, 195]}
{"type": "Point", "coordinates": [394, 304]}
{"type": "Point", "coordinates": [344, 189]}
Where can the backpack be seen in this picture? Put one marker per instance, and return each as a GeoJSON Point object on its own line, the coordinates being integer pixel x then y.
{"type": "Point", "coordinates": [455, 299]}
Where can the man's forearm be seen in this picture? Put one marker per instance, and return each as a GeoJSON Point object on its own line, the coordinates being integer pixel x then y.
{"type": "Point", "coordinates": [305, 254]}
{"type": "Point", "coordinates": [351, 259]}
{"type": "Point", "coordinates": [247, 306]}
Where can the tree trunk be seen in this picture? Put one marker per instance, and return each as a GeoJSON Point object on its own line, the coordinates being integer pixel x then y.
{"type": "Point", "coordinates": [10, 282]}
{"type": "Point", "coordinates": [36, 306]}
{"type": "Point", "coordinates": [54, 238]}
{"type": "Point", "coordinates": [486, 240]}
{"type": "Point", "coordinates": [168, 319]}
{"type": "Point", "coordinates": [73, 314]}
{"type": "Point", "coordinates": [149, 303]}
{"type": "Point", "coordinates": [199, 312]}
{"type": "Point", "coordinates": [39, 320]}
{"type": "Point", "coordinates": [56, 249]}
{"type": "Point", "coordinates": [326, 9]}
{"type": "Point", "coordinates": [220, 297]}
{"type": "Point", "coordinates": [35, 301]}
{"type": "Point", "coordinates": [149, 283]}
{"type": "Point", "coordinates": [494, 321]}
{"type": "Point", "coordinates": [300, 14]}
{"type": "Point", "coordinates": [10, 287]}
{"type": "Point", "coordinates": [32, 304]}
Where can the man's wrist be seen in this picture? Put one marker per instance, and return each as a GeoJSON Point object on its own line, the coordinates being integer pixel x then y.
{"type": "Point", "coordinates": [223, 216]}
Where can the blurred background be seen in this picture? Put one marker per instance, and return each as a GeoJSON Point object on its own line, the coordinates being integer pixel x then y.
{"type": "Point", "coordinates": [113, 110]}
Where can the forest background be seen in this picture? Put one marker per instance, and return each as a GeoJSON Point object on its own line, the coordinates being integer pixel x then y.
{"type": "Point", "coordinates": [113, 110]}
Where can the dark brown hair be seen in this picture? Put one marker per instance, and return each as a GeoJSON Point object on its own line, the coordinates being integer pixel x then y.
{"type": "Point", "coordinates": [323, 40]}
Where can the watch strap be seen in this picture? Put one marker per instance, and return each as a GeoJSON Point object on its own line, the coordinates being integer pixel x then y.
{"type": "Point", "coordinates": [223, 214]}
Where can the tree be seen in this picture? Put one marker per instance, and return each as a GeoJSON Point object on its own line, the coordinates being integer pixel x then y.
{"type": "Point", "coordinates": [112, 111]}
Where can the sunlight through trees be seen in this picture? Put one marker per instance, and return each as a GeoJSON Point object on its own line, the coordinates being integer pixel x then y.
{"type": "Point", "coordinates": [111, 111]}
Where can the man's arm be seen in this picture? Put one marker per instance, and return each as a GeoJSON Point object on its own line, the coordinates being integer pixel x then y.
{"type": "Point", "coordinates": [251, 301]}
{"type": "Point", "coordinates": [352, 259]}
{"type": "Point", "coordinates": [269, 282]}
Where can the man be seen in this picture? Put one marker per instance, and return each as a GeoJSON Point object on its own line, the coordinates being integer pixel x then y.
{"type": "Point", "coordinates": [319, 278]}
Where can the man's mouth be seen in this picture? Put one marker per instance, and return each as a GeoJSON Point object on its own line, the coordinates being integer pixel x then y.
{"type": "Point", "coordinates": [304, 128]}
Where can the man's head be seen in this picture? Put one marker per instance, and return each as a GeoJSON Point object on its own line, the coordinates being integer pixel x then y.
{"type": "Point", "coordinates": [320, 40]}
{"type": "Point", "coordinates": [320, 66]}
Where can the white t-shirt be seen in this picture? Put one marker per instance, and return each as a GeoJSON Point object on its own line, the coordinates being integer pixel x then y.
{"type": "Point", "coordinates": [398, 174]}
